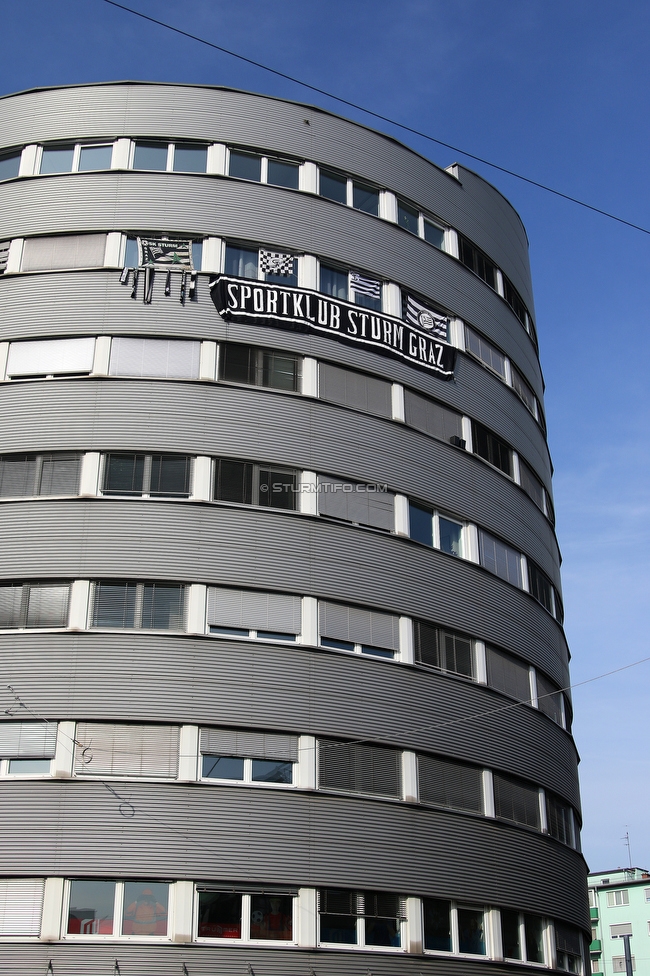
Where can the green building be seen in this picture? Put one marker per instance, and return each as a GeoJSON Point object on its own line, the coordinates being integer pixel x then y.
{"type": "Point", "coordinates": [619, 902]}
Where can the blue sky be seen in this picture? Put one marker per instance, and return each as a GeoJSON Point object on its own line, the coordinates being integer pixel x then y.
{"type": "Point", "coordinates": [554, 89]}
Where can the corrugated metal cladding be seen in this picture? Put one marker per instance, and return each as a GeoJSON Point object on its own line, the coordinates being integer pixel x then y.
{"type": "Point", "coordinates": [242, 119]}
{"type": "Point", "coordinates": [270, 835]}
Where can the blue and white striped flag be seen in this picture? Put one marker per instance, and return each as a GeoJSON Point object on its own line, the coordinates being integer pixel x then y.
{"type": "Point", "coordinates": [364, 286]}
{"type": "Point", "coordinates": [422, 317]}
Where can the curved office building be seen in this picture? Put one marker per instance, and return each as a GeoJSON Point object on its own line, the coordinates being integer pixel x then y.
{"type": "Point", "coordinates": [280, 617]}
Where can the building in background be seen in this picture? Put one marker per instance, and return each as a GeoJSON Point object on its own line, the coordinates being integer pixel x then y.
{"type": "Point", "coordinates": [283, 662]}
{"type": "Point", "coordinates": [619, 903]}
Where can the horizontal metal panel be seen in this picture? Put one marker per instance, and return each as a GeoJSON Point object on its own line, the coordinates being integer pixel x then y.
{"type": "Point", "coordinates": [93, 302]}
{"type": "Point", "coordinates": [274, 551]}
{"type": "Point", "coordinates": [178, 203]}
{"type": "Point", "coordinates": [221, 420]}
{"type": "Point", "coordinates": [470, 203]}
{"type": "Point", "coordinates": [335, 841]}
{"type": "Point", "coordinates": [169, 678]}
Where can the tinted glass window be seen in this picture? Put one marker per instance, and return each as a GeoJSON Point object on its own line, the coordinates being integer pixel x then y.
{"type": "Point", "coordinates": [241, 262]}
{"type": "Point", "coordinates": [407, 217]}
{"type": "Point", "coordinates": [150, 155]}
{"type": "Point", "coordinates": [57, 159]}
{"type": "Point", "coordinates": [333, 186]}
{"type": "Point", "coordinates": [145, 908]}
{"type": "Point", "coordinates": [437, 924]}
{"type": "Point", "coordinates": [123, 474]}
{"type": "Point", "coordinates": [471, 932]}
{"type": "Point", "coordinates": [333, 282]}
{"type": "Point", "coordinates": [510, 935]}
{"type": "Point", "coordinates": [95, 157]}
{"type": "Point", "coordinates": [271, 771]}
{"type": "Point", "coordinates": [277, 488]}
{"type": "Point", "coordinates": [223, 767]}
{"type": "Point", "coordinates": [279, 370]}
{"type": "Point", "coordinates": [170, 475]}
{"type": "Point", "coordinates": [189, 158]}
{"type": "Point", "coordinates": [233, 481]}
{"type": "Point", "coordinates": [238, 363]}
{"type": "Point", "coordinates": [9, 165]}
{"type": "Point", "coordinates": [162, 607]}
{"type": "Point", "coordinates": [365, 198]}
{"type": "Point", "coordinates": [92, 906]}
{"type": "Point", "coordinates": [245, 166]}
{"type": "Point", "coordinates": [434, 235]}
{"type": "Point", "coordinates": [450, 536]}
{"type": "Point", "coordinates": [219, 915]}
{"type": "Point", "coordinates": [271, 917]}
{"type": "Point", "coordinates": [283, 174]}
{"type": "Point", "coordinates": [420, 525]}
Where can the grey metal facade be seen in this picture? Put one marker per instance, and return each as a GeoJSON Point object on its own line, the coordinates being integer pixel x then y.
{"type": "Point", "coordinates": [67, 827]}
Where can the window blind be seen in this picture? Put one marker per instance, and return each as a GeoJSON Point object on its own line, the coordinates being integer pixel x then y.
{"type": "Point", "coordinates": [499, 558]}
{"type": "Point", "coordinates": [27, 740]}
{"type": "Point", "coordinates": [507, 674]}
{"type": "Point", "coordinates": [166, 358]}
{"type": "Point", "coordinates": [21, 906]}
{"type": "Point", "coordinates": [254, 610]}
{"type": "Point", "coordinates": [252, 745]}
{"type": "Point", "coordinates": [549, 698]}
{"type": "Point", "coordinates": [431, 417]}
{"type": "Point", "coordinates": [516, 801]}
{"type": "Point", "coordinates": [567, 939]}
{"type": "Point", "coordinates": [43, 357]}
{"type": "Point", "coordinates": [67, 251]}
{"type": "Point", "coordinates": [10, 605]}
{"type": "Point", "coordinates": [356, 502]}
{"type": "Point", "coordinates": [352, 389]}
{"type": "Point", "coordinates": [4, 255]}
{"type": "Point", "coordinates": [358, 626]}
{"type": "Point", "coordinates": [359, 768]}
{"type": "Point", "coordinates": [48, 606]}
{"type": "Point", "coordinates": [106, 749]}
{"type": "Point", "coordinates": [60, 474]}
{"type": "Point", "coordinates": [485, 351]}
{"type": "Point", "coordinates": [450, 784]}
{"type": "Point", "coordinates": [531, 484]}
{"type": "Point", "coordinates": [372, 904]}
{"type": "Point", "coordinates": [560, 819]}
{"type": "Point", "coordinates": [17, 475]}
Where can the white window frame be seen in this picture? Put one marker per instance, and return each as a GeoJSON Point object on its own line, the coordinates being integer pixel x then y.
{"type": "Point", "coordinates": [454, 906]}
{"type": "Point", "coordinates": [118, 916]}
{"type": "Point", "coordinates": [360, 944]}
{"type": "Point", "coordinates": [264, 165]}
{"type": "Point", "coordinates": [436, 515]}
{"type": "Point", "coordinates": [248, 775]}
{"type": "Point", "coordinates": [146, 478]}
{"type": "Point", "coordinates": [245, 937]}
{"type": "Point", "coordinates": [76, 155]}
{"type": "Point", "coordinates": [6, 774]}
{"type": "Point", "coordinates": [612, 900]}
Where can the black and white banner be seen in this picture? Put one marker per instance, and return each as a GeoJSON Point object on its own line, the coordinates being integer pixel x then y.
{"type": "Point", "coordinates": [244, 300]}
{"type": "Point", "coordinates": [422, 317]}
{"type": "Point", "coordinates": [165, 255]}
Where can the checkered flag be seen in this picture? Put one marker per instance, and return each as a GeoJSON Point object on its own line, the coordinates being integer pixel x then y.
{"type": "Point", "coordinates": [422, 317]}
{"type": "Point", "coordinates": [276, 263]}
{"type": "Point", "coordinates": [364, 286]}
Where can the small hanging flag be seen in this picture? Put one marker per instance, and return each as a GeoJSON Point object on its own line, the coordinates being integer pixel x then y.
{"type": "Point", "coordinates": [364, 286]}
{"type": "Point", "coordinates": [134, 290]}
{"type": "Point", "coordinates": [422, 317]}
{"type": "Point", "coordinates": [161, 253]}
{"type": "Point", "coordinates": [276, 263]}
{"type": "Point", "coordinates": [148, 285]}
{"type": "Point", "coordinates": [124, 277]}
{"type": "Point", "coordinates": [168, 284]}
{"type": "Point", "coordinates": [183, 287]}
{"type": "Point", "coordinates": [192, 290]}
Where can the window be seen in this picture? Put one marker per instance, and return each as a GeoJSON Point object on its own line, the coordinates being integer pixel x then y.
{"type": "Point", "coordinates": [483, 350]}
{"type": "Point", "coordinates": [532, 486]}
{"type": "Point", "coordinates": [549, 699]}
{"type": "Point", "coordinates": [26, 748]}
{"type": "Point", "coordinates": [164, 358]}
{"type": "Point", "coordinates": [559, 817]}
{"type": "Point", "coordinates": [9, 164]}
{"type": "Point", "coordinates": [508, 674]}
{"type": "Point", "coordinates": [354, 629]}
{"type": "Point", "coordinates": [113, 749]}
{"type": "Point", "coordinates": [437, 924]}
{"type": "Point", "coordinates": [21, 906]}
{"type": "Point", "coordinates": [34, 605]}
{"type": "Point", "coordinates": [433, 418]}
{"type": "Point", "coordinates": [333, 283]}
{"type": "Point", "coordinates": [50, 357]}
{"type": "Point", "coordinates": [516, 801]}
{"type": "Point", "coordinates": [244, 262]}
{"type": "Point", "coordinates": [357, 390]}
{"type": "Point", "coordinates": [361, 918]}
{"type": "Point", "coordinates": [358, 767]}
{"type": "Point", "coordinates": [449, 784]}
{"type": "Point", "coordinates": [255, 484]}
{"type": "Point", "coordinates": [147, 475]}
{"type": "Point", "coordinates": [522, 937]}
{"type": "Point", "coordinates": [622, 928]}
{"type": "Point", "coordinates": [524, 391]}
{"type": "Point", "coordinates": [540, 586]}
{"type": "Point", "coordinates": [618, 964]}
{"type": "Point", "coordinates": [491, 448]}
{"type": "Point", "coordinates": [361, 504]}
{"type": "Point", "coordinates": [181, 157]}
{"type": "Point", "coordinates": [365, 198]}
{"type": "Point", "coordinates": [333, 186]}
{"type": "Point", "coordinates": [245, 166]}
{"type": "Point", "coordinates": [249, 917]}
{"type": "Point", "coordinates": [4, 255]}
{"type": "Point", "coordinates": [138, 908]}
{"type": "Point", "coordinates": [471, 931]}
{"type": "Point", "coordinates": [132, 253]}
{"type": "Point", "coordinates": [433, 234]}
{"type": "Point", "coordinates": [365, 291]}
{"type": "Point", "coordinates": [616, 898]}
{"type": "Point", "coordinates": [433, 529]}
{"type": "Point", "coordinates": [73, 158]}
{"type": "Point", "coordinates": [478, 262]}
{"type": "Point", "coordinates": [264, 169]}
{"type": "Point", "coordinates": [499, 558]}
{"type": "Point", "coordinates": [150, 606]}
{"type": "Point", "coordinates": [248, 757]}
{"type": "Point", "coordinates": [646, 892]}
{"type": "Point", "coordinates": [259, 367]}
{"type": "Point", "coordinates": [252, 613]}
{"type": "Point", "coordinates": [408, 217]}
{"type": "Point", "coordinates": [568, 948]}
{"type": "Point", "coordinates": [280, 172]}
{"type": "Point", "coordinates": [442, 649]}
{"type": "Point", "coordinates": [513, 299]}
{"type": "Point", "coordinates": [68, 251]}
{"type": "Point", "coordinates": [24, 475]}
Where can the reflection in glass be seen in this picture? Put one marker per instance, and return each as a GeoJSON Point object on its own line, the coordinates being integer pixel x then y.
{"type": "Point", "coordinates": [333, 186]}
{"type": "Point", "coordinates": [241, 262]}
{"type": "Point", "coordinates": [420, 525]}
{"type": "Point", "coordinates": [271, 917]}
{"type": "Point", "coordinates": [162, 607]}
{"type": "Point", "coordinates": [283, 174]}
{"type": "Point", "coordinates": [219, 915]}
{"type": "Point", "coordinates": [534, 929]}
{"type": "Point", "coordinates": [471, 933]}
{"type": "Point", "coordinates": [450, 536]}
{"type": "Point", "coordinates": [223, 767]}
{"type": "Point", "coordinates": [365, 198]}
{"type": "Point", "coordinates": [271, 771]}
{"type": "Point", "coordinates": [9, 165]}
{"type": "Point", "coordinates": [407, 217]}
{"type": "Point", "coordinates": [333, 282]}
{"type": "Point", "coordinates": [245, 166]}
{"type": "Point", "coordinates": [145, 908]}
{"type": "Point", "coordinates": [92, 905]}
{"type": "Point", "coordinates": [57, 159]}
{"type": "Point", "coordinates": [150, 155]}
{"type": "Point", "coordinates": [95, 157]}
{"type": "Point", "coordinates": [27, 767]}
